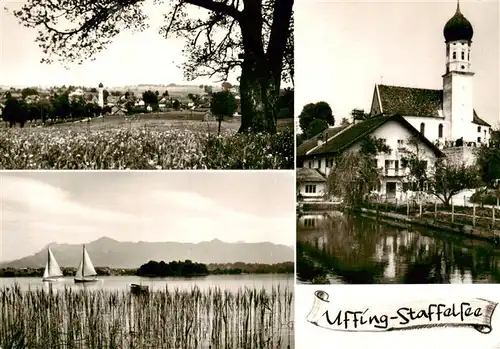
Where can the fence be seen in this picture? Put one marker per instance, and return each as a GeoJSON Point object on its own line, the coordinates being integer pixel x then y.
{"type": "Point", "coordinates": [460, 211]}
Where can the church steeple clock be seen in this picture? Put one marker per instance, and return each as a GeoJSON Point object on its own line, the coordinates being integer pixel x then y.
{"type": "Point", "coordinates": [457, 81]}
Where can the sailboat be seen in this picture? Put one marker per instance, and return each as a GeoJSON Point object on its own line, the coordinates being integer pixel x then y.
{"type": "Point", "coordinates": [86, 271]}
{"type": "Point", "coordinates": [52, 270]}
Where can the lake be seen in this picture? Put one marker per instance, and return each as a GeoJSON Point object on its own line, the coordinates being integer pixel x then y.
{"type": "Point", "coordinates": [227, 282]}
{"type": "Point", "coordinates": [338, 248]}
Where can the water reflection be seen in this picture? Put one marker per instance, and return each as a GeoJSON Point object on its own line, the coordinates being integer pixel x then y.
{"type": "Point", "coordinates": [337, 248]}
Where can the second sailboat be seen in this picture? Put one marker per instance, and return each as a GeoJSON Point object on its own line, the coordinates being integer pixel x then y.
{"type": "Point", "coordinates": [86, 272]}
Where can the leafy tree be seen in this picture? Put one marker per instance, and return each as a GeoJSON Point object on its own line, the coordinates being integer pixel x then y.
{"type": "Point", "coordinates": [208, 89]}
{"type": "Point", "coordinates": [28, 91]}
{"type": "Point", "coordinates": [447, 180]}
{"type": "Point", "coordinates": [78, 108]}
{"type": "Point", "coordinates": [444, 180]}
{"type": "Point", "coordinates": [344, 122]}
{"type": "Point", "coordinates": [176, 104]}
{"type": "Point", "coordinates": [62, 107]}
{"type": "Point", "coordinates": [355, 175]}
{"type": "Point", "coordinates": [316, 127]}
{"type": "Point", "coordinates": [315, 111]}
{"type": "Point", "coordinates": [195, 98]}
{"type": "Point", "coordinates": [258, 40]}
{"type": "Point", "coordinates": [488, 159]}
{"type": "Point", "coordinates": [165, 94]}
{"type": "Point", "coordinates": [227, 86]}
{"type": "Point", "coordinates": [93, 90]}
{"type": "Point", "coordinates": [223, 104]}
{"type": "Point", "coordinates": [150, 98]}
{"type": "Point", "coordinates": [15, 111]}
{"type": "Point", "coordinates": [286, 104]}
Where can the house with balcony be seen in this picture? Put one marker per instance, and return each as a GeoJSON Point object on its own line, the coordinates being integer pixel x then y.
{"type": "Point", "coordinates": [318, 153]}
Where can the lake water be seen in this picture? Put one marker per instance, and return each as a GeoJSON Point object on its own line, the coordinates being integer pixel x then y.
{"type": "Point", "coordinates": [338, 248]}
{"type": "Point", "coordinates": [228, 282]}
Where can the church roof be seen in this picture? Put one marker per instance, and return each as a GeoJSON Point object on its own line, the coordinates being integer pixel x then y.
{"type": "Point", "coordinates": [411, 101]}
{"type": "Point", "coordinates": [458, 28]}
{"type": "Point", "coordinates": [353, 133]}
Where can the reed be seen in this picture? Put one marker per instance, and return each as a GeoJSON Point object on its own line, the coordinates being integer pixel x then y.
{"type": "Point", "coordinates": [88, 319]}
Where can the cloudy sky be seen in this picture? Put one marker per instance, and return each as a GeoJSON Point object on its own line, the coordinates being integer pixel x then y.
{"type": "Point", "coordinates": [342, 48]}
{"type": "Point", "coordinates": [38, 208]}
{"type": "Point", "coordinates": [133, 58]}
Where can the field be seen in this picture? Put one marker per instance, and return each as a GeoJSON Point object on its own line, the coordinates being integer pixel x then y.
{"type": "Point", "coordinates": [82, 319]}
{"type": "Point", "coordinates": [173, 140]}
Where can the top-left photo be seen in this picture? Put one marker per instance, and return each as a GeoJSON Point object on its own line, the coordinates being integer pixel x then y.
{"type": "Point", "coordinates": [146, 85]}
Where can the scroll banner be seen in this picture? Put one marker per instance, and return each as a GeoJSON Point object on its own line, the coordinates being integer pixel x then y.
{"type": "Point", "coordinates": [474, 313]}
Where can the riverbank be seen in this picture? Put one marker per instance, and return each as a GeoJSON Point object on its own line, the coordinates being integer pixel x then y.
{"type": "Point", "coordinates": [458, 228]}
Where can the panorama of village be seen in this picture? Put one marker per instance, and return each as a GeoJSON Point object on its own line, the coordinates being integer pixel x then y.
{"type": "Point", "coordinates": [407, 191]}
{"type": "Point", "coordinates": [79, 96]}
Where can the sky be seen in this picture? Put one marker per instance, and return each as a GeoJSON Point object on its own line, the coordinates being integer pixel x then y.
{"type": "Point", "coordinates": [38, 208]}
{"type": "Point", "coordinates": [133, 58]}
{"type": "Point", "coordinates": [343, 48]}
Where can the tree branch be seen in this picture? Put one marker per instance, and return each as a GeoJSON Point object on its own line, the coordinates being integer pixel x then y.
{"type": "Point", "coordinates": [217, 7]}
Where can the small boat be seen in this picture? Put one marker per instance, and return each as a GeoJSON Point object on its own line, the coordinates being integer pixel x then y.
{"type": "Point", "coordinates": [139, 289]}
{"type": "Point", "coordinates": [52, 271]}
{"type": "Point", "coordinates": [86, 272]}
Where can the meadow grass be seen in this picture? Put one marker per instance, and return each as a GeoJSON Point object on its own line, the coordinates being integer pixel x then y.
{"type": "Point", "coordinates": [85, 319]}
{"type": "Point", "coordinates": [120, 144]}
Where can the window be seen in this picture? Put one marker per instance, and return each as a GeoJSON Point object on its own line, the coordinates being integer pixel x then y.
{"type": "Point", "coordinates": [463, 55]}
{"type": "Point", "coordinates": [422, 128]}
{"type": "Point", "coordinates": [485, 135]}
{"type": "Point", "coordinates": [309, 222]}
{"type": "Point", "coordinates": [440, 131]}
{"type": "Point", "coordinates": [401, 142]}
{"type": "Point", "coordinates": [406, 186]}
{"type": "Point", "coordinates": [311, 188]}
{"type": "Point", "coordinates": [479, 129]}
{"type": "Point", "coordinates": [383, 140]}
{"type": "Point", "coordinates": [479, 139]}
{"type": "Point", "coordinates": [468, 56]}
{"type": "Point", "coordinates": [454, 55]}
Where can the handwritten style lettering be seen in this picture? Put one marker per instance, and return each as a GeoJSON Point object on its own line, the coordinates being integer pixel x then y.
{"type": "Point", "coordinates": [433, 313]}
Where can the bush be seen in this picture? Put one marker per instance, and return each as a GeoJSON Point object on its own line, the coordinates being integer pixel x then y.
{"type": "Point", "coordinates": [488, 198]}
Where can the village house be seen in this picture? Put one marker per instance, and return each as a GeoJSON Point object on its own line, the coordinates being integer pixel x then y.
{"type": "Point", "coordinates": [438, 122]}
{"type": "Point", "coordinates": [319, 152]}
{"type": "Point", "coordinates": [311, 184]}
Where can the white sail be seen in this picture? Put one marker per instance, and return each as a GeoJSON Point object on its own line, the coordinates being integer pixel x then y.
{"type": "Point", "coordinates": [52, 269]}
{"type": "Point", "coordinates": [85, 268]}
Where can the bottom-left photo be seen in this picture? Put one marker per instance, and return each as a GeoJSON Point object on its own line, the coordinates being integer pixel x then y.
{"type": "Point", "coordinates": [138, 259]}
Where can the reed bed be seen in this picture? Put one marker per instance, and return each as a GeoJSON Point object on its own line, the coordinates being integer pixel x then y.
{"type": "Point", "coordinates": [92, 319]}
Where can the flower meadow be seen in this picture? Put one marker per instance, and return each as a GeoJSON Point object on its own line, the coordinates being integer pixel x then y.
{"type": "Point", "coordinates": [145, 148]}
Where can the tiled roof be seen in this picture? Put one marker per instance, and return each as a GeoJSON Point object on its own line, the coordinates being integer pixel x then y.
{"type": "Point", "coordinates": [409, 101]}
{"type": "Point", "coordinates": [356, 132]}
{"type": "Point", "coordinates": [313, 142]}
{"type": "Point", "coordinates": [309, 175]}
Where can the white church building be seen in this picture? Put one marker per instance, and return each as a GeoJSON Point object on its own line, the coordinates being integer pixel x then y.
{"type": "Point", "coordinates": [443, 122]}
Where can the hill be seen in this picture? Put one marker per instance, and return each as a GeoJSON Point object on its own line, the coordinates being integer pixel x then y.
{"type": "Point", "coordinates": [106, 252]}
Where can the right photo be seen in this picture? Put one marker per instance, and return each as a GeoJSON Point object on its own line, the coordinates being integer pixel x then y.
{"type": "Point", "coordinates": [397, 142]}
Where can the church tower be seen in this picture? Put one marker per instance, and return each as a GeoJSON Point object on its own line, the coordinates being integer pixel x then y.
{"type": "Point", "coordinates": [457, 81]}
{"type": "Point", "coordinates": [101, 95]}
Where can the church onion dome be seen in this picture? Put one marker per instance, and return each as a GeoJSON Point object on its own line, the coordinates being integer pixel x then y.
{"type": "Point", "coordinates": [458, 28]}
{"type": "Point", "coordinates": [101, 85]}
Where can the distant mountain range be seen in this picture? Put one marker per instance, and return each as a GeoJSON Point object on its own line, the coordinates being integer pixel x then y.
{"type": "Point", "coordinates": [106, 252]}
